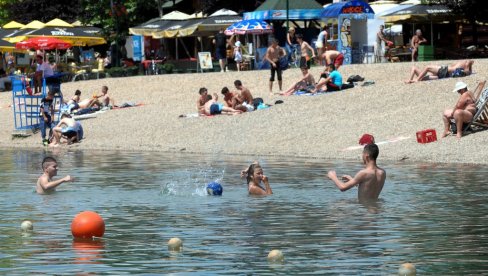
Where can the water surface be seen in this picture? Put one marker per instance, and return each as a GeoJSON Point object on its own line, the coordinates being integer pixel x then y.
{"type": "Point", "coordinates": [434, 216]}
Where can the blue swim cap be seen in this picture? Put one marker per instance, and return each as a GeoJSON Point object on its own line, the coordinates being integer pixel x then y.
{"type": "Point", "coordinates": [214, 188]}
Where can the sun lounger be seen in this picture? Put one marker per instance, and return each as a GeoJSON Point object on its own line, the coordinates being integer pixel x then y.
{"type": "Point", "coordinates": [480, 118]}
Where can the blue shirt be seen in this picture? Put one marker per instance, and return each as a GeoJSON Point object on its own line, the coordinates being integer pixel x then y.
{"type": "Point", "coordinates": [336, 78]}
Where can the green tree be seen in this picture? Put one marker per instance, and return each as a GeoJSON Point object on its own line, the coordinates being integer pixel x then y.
{"type": "Point", "coordinates": [474, 11]}
{"type": "Point", "coordinates": [25, 11]}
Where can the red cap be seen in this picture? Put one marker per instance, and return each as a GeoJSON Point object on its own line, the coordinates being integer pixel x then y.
{"type": "Point", "coordinates": [366, 139]}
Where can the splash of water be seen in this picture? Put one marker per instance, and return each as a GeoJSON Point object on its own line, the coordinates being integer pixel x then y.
{"type": "Point", "coordinates": [191, 182]}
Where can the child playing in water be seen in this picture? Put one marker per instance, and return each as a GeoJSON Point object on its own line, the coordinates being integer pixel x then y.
{"type": "Point", "coordinates": [255, 176]}
{"type": "Point", "coordinates": [45, 183]}
{"type": "Point", "coordinates": [369, 180]}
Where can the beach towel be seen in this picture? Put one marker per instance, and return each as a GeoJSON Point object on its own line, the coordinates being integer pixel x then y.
{"type": "Point", "coordinates": [127, 104]}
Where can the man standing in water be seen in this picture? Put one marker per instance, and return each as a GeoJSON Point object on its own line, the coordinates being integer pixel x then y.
{"type": "Point", "coordinates": [369, 180]}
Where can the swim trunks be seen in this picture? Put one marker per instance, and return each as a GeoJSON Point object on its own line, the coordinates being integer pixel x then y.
{"type": "Point", "coordinates": [216, 108]}
{"type": "Point", "coordinates": [442, 73]}
{"type": "Point", "coordinates": [69, 132]}
{"type": "Point", "coordinates": [339, 60]}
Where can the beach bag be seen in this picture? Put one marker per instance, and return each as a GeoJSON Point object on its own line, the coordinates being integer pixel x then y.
{"type": "Point", "coordinates": [355, 78]}
{"type": "Point", "coordinates": [458, 72]}
{"type": "Point", "coordinates": [283, 63]}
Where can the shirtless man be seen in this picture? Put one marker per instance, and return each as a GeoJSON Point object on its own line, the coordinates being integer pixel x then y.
{"type": "Point", "coordinates": [67, 128]}
{"type": "Point", "coordinates": [305, 50]}
{"type": "Point", "coordinates": [273, 55]}
{"type": "Point", "coordinates": [334, 57]}
{"type": "Point", "coordinates": [306, 82]}
{"type": "Point", "coordinates": [433, 72]}
{"type": "Point", "coordinates": [103, 99]}
{"type": "Point", "coordinates": [417, 39]}
{"type": "Point", "coordinates": [45, 183]}
{"type": "Point", "coordinates": [245, 96]}
{"type": "Point", "coordinates": [462, 112]}
{"type": "Point", "coordinates": [369, 180]}
{"type": "Point", "coordinates": [212, 107]}
{"type": "Point", "coordinates": [202, 99]}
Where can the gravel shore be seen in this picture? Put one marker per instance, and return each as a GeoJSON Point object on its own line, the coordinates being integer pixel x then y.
{"type": "Point", "coordinates": [324, 126]}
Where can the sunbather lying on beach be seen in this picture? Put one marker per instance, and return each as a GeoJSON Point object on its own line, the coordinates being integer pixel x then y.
{"type": "Point", "coordinates": [306, 82]}
{"type": "Point", "coordinates": [434, 72]}
{"type": "Point", "coordinates": [212, 107]}
{"type": "Point", "coordinates": [462, 112]}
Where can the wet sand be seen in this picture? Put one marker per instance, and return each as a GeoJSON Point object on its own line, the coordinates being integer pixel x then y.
{"type": "Point", "coordinates": [324, 126]}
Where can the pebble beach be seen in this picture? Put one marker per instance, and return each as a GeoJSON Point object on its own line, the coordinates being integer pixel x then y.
{"type": "Point", "coordinates": [324, 126]}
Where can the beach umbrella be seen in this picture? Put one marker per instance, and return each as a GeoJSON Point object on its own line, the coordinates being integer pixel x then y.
{"type": "Point", "coordinates": [18, 35]}
{"type": "Point", "coordinates": [251, 26]}
{"type": "Point", "coordinates": [56, 22]}
{"type": "Point", "coordinates": [419, 13]}
{"type": "Point", "coordinates": [13, 25]}
{"type": "Point", "coordinates": [76, 36]}
{"type": "Point", "coordinates": [43, 43]}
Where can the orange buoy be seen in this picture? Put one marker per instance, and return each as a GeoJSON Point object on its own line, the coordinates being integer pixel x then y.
{"type": "Point", "coordinates": [87, 225]}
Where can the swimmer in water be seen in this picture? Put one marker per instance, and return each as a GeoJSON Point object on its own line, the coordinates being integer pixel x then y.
{"type": "Point", "coordinates": [369, 180]}
{"type": "Point", "coordinates": [45, 183]}
{"type": "Point", "coordinates": [255, 176]}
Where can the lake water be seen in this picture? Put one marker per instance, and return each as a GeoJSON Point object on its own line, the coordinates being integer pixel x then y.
{"type": "Point", "coordinates": [434, 216]}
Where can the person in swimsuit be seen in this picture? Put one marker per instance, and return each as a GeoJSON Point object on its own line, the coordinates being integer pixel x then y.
{"type": "Point", "coordinates": [321, 45]}
{"type": "Point", "coordinates": [66, 128]}
{"type": "Point", "coordinates": [462, 112]}
{"type": "Point", "coordinates": [306, 82]}
{"type": "Point", "coordinates": [370, 180]}
{"type": "Point", "coordinates": [202, 99]}
{"type": "Point", "coordinates": [273, 55]}
{"type": "Point", "coordinates": [433, 72]}
{"type": "Point", "coordinates": [73, 103]}
{"type": "Point", "coordinates": [212, 107]}
{"type": "Point", "coordinates": [45, 183]}
{"type": "Point", "coordinates": [417, 39]}
{"type": "Point", "coordinates": [305, 48]}
{"type": "Point", "coordinates": [254, 176]}
{"type": "Point", "coordinates": [333, 57]}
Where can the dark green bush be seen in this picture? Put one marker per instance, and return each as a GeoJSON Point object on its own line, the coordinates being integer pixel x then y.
{"type": "Point", "coordinates": [132, 71]}
{"type": "Point", "coordinates": [116, 72]}
{"type": "Point", "coordinates": [168, 68]}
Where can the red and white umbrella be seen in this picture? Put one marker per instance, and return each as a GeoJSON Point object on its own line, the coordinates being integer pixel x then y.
{"type": "Point", "coordinates": [43, 43]}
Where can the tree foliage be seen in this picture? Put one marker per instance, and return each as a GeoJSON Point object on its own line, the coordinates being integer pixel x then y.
{"type": "Point", "coordinates": [472, 10]}
{"type": "Point", "coordinates": [25, 11]}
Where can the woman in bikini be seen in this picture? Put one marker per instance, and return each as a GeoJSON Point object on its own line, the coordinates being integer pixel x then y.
{"type": "Point", "coordinates": [255, 176]}
{"type": "Point", "coordinates": [462, 113]}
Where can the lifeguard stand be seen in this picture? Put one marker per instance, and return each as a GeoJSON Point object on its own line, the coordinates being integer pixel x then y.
{"type": "Point", "coordinates": [27, 107]}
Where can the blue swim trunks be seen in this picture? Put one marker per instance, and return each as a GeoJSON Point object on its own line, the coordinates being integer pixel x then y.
{"type": "Point", "coordinates": [216, 108]}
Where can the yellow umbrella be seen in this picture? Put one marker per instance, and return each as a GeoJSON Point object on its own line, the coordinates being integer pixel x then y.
{"type": "Point", "coordinates": [13, 25]}
{"type": "Point", "coordinates": [20, 34]}
{"type": "Point", "coordinates": [58, 23]}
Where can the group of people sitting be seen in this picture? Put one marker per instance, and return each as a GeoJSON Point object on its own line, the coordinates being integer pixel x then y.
{"type": "Point", "coordinates": [235, 102]}
{"type": "Point", "coordinates": [330, 80]}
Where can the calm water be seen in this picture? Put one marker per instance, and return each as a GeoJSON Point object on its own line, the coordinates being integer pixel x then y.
{"type": "Point", "coordinates": [432, 215]}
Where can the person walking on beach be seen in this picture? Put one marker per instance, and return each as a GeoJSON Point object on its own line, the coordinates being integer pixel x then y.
{"type": "Point", "coordinates": [321, 45]}
{"type": "Point", "coordinates": [273, 55]}
{"type": "Point", "coordinates": [462, 112]}
{"type": "Point", "coordinates": [370, 180]}
{"type": "Point", "coordinates": [220, 42]}
{"type": "Point", "coordinates": [45, 183]}
{"type": "Point", "coordinates": [47, 116]}
{"type": "Point", "coordinates": [254, 176]}
{"type": "Point", "coordinates": [417, 39]}
{"type": "Point", "coordinates": [378, 50]}
{"type": "Point", "coordinates": [305, 50]}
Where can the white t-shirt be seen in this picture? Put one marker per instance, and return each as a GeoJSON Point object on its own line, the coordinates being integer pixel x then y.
{"type": "Point", "coordinates": [46, 68]}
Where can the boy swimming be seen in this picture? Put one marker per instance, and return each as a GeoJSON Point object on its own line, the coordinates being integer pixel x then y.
{"type": "Point", "coordinates": [369, 180]}
{"type": "Point", "coordinates": [45, 183]}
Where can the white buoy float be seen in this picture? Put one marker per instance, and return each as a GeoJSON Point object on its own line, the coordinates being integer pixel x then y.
{"type": "Point", "coordinates": [175, 244]}
{"type": "Point", "coordinates": [275, 256]}
{"type": "Point", "coordinates": [27, 226]}
{"type": "Point", "coordinates": [407, 269]}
